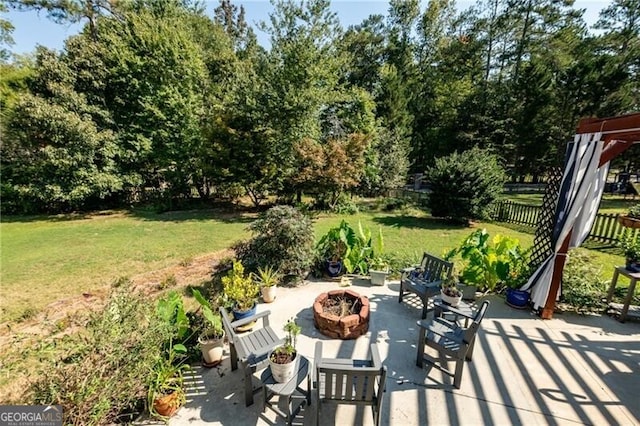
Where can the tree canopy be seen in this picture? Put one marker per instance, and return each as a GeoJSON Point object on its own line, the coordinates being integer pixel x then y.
{"type": "Point", "coordinates": [163, 101]}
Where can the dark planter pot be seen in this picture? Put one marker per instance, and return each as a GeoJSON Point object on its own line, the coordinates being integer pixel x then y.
{"type": "Point", "coordinates": [517, 298]}
{"type": "Point", "coordinates": [238, 315]}
{"type": "Point", "coordinates": [334, 268]}
{"type": "Point", "coordinates": [632, 266]}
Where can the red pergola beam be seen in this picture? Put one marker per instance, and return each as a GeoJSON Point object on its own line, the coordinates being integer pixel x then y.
{"type": "Point", "coordinates": [629, 122]}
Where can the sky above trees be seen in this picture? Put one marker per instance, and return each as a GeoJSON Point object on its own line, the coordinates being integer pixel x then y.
{"type": "Point", "coordinates": [33, 28]}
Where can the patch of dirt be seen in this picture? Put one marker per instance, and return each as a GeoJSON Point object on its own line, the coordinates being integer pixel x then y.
{"type": "Point", "coordinates": [341, 306]}
{"type": "Point", "coordinates": [59, 314]}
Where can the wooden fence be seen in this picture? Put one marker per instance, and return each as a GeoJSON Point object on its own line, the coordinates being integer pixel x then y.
{"type": "Point", "coordinates": [606, 227]}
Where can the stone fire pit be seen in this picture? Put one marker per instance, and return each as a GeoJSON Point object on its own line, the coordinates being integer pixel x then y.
{"type": "Point", "coordinates": [350, 326]}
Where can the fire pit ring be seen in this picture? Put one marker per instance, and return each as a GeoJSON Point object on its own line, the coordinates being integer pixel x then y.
{"type": "Point", "coordinates": [349, 326]}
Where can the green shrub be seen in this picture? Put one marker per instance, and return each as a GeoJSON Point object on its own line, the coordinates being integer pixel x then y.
{"type": "Point", "coordinates": [582, 287]}
{"type": "Point", "coordinates": [107, 369]}
{"type": "Point", "coordinates": [489, 262]}
{"type": "Point", "coordinates": [282, 238]}
{"type": "Point", "coordinates": [464, 186]}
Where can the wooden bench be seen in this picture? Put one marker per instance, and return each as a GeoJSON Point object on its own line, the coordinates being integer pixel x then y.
{"type": "Point", "coordinates": [250, 348]}
{"type": "Point", "coordinates": [424, 280]}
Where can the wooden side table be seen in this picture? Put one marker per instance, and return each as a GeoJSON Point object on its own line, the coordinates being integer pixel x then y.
{"type": "Point", "coordinates": [624, 308]}
{"type": "Point", "coordinates": [272, 388]}
{"type": "Point", "coordinates": [463, 311]}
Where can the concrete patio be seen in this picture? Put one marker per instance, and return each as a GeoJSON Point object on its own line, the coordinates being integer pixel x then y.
{"type": "Point", "coordinates": [569, 370]}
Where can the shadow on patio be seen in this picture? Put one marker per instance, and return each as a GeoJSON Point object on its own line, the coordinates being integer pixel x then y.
{"type": "Point", "coordinates": [571, 369]}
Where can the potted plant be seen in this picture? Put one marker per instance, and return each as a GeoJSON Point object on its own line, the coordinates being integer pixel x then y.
{"type": "Point", "coordinates": [211, 339]}
{"type": "Point", "coordinates": [332, 248]}
{"type": "Point", "coordinates": [514, 273]}
{"type": "Point", "coordinates": [450, 293]}
{"type": "Point", "coordinates": [283, 359]}
{"type": "Point", "coordinates": [630, 243]}
{"type": "Point", "coordinates": [241, 290]}
{"type": "Point", "coordinates": [267, 279]}
{"type": "Point", "coordinates": [632, 218]}
{"type": "Point", "coordinates": [378, 266]}
{"type": "Point", "coordinates": [378, 271]}
{"type": "Point", "coordinates": [166, 395]}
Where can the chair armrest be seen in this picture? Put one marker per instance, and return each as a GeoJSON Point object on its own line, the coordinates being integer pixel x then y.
{"type": "Point", "coordinates": [247, 320]}
{"type": "Point", "coordinates": [375, 356]}
{"type": "Point", "coordinates": [456, 311]}
{"type": "Point", "coordinates": [449, 331]}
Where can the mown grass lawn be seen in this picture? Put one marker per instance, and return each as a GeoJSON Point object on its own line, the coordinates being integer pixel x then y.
{"type": "Point", "coordinates": [44, 259]}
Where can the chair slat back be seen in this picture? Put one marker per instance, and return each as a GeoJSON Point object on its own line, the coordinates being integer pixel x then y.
{"type": "Point", "coordinates": [347, 385]}
{"type": "Point", "coordinates": [435, 269]}
{"type": "Point", "coordinates": [353, 382]}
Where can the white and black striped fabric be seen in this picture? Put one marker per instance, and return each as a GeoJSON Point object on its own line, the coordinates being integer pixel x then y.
{"type": "Point", "coordinates": [580, 193]}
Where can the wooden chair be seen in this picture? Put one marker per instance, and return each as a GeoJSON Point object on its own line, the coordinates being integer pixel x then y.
{"type": "Point", "coordinates": [424, 280]}
{"type": "Point", "coordinates": [450, 339]}
{"type": "Point", "coordinates": [251, 348]}
{"type": "Point", "coordinates": [349, 381]}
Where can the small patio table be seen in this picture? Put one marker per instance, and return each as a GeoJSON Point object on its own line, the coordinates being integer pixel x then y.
{"type": "Point", "coordinates": [272, 388]}
{"type": "Point", "coordinates": [443, 309]}
{"type": "Point", "coordinates": [624, 308]}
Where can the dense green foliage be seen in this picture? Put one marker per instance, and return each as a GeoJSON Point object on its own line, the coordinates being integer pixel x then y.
{"type": "Point", "coordinates": [489, 262]}
{"type": "Point", "coordinates": [282, 238]}
{"type": "Point", "coordinates": [157, 101]}
{"type": "Point", "coordinates": [465, 186]}
{"type": "Point", "coordinates": [582, 286]}
{"type": "Point", "coordinates": [107, 370]}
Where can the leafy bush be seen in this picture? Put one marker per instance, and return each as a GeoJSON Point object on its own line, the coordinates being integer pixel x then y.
{"type": "Point", "coordinates": [343, 243]}
{"type": "Point", "coordinates": [108, 369]}
{"type": "Point", "coordinates": [490, 262]}
{"type": "Point", "coordinates": [630, 244]}
{"type": "Point", "coordinates": [465, 185]}
{"type": "Point", "coordinates": [582, 287]}
{"type": "Point", "coordinates": [634, 211]}
{"type": "Point", "coordinates": [240, 288]}
{"type": "Point", "coordinates": [282, 239]}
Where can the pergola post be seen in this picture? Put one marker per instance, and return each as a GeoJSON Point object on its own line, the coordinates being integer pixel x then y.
{"type": "Point", "coordinates": [620, 133]}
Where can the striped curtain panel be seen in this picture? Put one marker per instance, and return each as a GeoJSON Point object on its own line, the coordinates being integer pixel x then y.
{"type": "Point", "coordinates": [580, 193]}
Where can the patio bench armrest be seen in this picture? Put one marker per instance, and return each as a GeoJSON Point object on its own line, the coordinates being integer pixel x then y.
{"type": "Point", "coordinates": [264, 315]}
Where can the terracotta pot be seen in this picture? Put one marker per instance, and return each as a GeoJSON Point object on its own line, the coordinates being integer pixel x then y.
{"type": "Point", "coordinates": [629, 222]}
{"type": "Point", "coordinates": [167, 405]}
